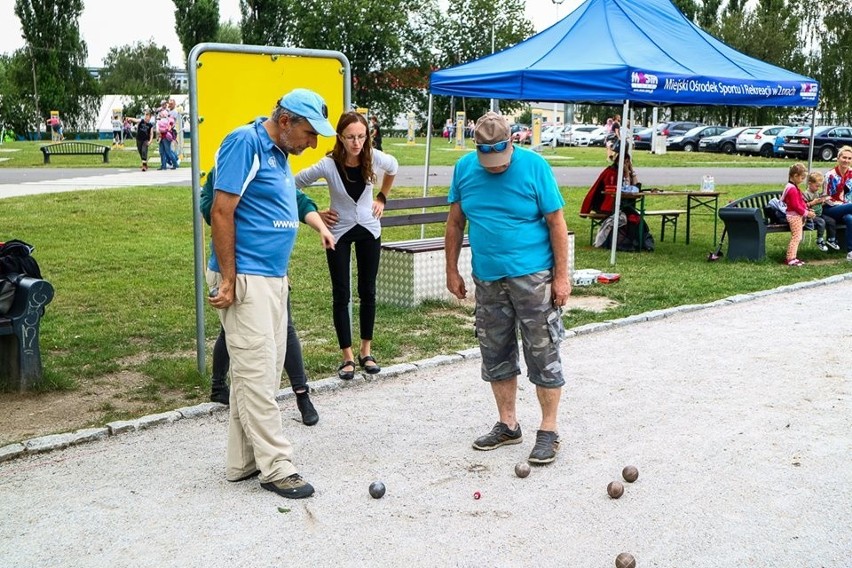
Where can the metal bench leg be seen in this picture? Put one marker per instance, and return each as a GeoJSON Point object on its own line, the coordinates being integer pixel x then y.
{"type": "Point", "coordinates": [668, 220]}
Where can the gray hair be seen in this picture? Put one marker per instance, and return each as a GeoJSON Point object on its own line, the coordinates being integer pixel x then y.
{"type": "Point", "coordinates": [292, 116]}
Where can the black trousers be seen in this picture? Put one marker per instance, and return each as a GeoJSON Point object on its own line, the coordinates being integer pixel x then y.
{"type": "Point", "coordinates": [143, 150]}
{"type": "Point", "coordinates": [367, 251]}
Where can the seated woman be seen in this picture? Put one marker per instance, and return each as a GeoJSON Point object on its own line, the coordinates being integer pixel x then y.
{"type": "Point", "coordinates": [597, 200]}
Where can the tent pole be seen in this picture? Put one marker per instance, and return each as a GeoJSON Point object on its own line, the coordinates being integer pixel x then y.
{"type": "Point", "coordinates": [811, 144]}
{"type": "Point", "coordinates": [426, 167]}
{"type": "Point", "coordinates": [621, 152]}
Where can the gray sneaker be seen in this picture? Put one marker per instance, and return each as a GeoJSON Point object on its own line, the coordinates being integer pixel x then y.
{"type": "Point", "coordinates": [546, 446]}
{"type": "Point", "coordinates": [500, 435]}
{"type": "Point", "coordinates": [291, 487]}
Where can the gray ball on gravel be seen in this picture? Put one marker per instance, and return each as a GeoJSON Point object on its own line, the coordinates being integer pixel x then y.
{"type": "Point", "coordinates": [377, 490]}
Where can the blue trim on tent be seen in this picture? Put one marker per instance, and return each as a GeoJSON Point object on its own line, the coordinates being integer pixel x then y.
{"type": "Point", "coordinates": [609, 51]}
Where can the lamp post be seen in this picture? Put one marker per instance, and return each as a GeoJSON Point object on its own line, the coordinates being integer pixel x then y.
{"type": "Point", "coordinates": [35, 83]}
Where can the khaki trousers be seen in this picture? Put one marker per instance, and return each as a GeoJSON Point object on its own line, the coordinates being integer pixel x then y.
{"type": "Point", "coordinates": [256, 336]}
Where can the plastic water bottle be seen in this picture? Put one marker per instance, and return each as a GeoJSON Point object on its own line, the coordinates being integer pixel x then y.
{"type": "Point", "coordinates": [708, 184]}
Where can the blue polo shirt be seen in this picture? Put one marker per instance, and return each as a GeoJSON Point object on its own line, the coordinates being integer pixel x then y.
{"type": "Point", "coordinates": [266, 219]}
{"type": "Point", "coordinates": [505, 212]}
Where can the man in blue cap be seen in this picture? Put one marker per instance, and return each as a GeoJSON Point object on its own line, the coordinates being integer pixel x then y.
{"type": "Point", "coordinates": [254, 220]}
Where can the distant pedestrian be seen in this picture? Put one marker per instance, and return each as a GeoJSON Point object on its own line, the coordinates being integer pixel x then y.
{"type": "Point", "coordinates": [144, 136]}
{"type": "Point", "coordinates": [375, 132]}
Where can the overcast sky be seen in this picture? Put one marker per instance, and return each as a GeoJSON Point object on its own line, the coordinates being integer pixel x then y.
{"type": "Point", "coordinates": [111, 23]}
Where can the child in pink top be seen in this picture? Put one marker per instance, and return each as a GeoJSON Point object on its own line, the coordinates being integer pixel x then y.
{"type": "Point", "coordinates": [797, 211]}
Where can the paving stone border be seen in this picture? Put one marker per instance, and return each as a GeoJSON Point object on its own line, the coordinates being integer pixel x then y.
{"type": "Point", "coordinates": [54, 442]}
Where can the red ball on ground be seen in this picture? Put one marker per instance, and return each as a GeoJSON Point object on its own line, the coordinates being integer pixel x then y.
{"type": "Point", "coordinates": [476, 495]}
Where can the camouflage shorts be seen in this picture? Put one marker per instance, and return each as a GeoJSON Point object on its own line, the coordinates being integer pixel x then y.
{"type": "Point", "coordinates": [525, 303]}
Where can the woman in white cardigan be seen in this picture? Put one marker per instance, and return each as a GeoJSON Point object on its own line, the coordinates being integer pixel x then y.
{"type": "Point", "coordinates": [350, 171]}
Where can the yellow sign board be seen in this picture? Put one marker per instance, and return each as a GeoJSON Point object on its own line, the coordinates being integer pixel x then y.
{"type": "Point", "coordinates": [459, 130]}
{"type": "Point", "coordinates": [410, 138]}
{"type": "Point", "coordinates": [234, 84]}
{"type": "Point", "coordinates": [536, 129]}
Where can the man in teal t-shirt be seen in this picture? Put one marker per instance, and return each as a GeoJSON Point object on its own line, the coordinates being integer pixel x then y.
{"type": "Point", "coordinates": [519, 242]}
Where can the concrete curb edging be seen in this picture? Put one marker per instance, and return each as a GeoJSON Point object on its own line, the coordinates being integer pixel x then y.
{"type": "Point", "coordinates": [53, 442]}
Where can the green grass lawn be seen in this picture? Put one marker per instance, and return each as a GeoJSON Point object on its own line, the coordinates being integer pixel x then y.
{"type": "Point", "coordinates": [122, 265]}
{"type": "Point", "coordinates": [27, 154]}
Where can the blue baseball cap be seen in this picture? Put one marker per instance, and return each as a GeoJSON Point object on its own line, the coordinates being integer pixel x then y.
{"type": "Point", "coordinates": [311, 106]}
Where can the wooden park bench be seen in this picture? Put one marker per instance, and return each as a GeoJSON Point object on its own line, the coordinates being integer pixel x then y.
{"type": "Point", "coordinates": [747, 223]}
{"type": "Point", "coordinates": [75, 149]}
{"type": "Point", "coordinates": [20, 355]}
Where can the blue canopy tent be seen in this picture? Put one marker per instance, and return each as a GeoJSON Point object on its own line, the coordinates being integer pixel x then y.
{"type": "Point", "coordinates": [643, 52]}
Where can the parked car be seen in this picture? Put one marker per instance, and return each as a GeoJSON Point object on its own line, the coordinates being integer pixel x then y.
{"type": "Point", "coordinates": [758, 140]}
{"type": "Point", "coordinates": [582, 134]}
{"type": "Point", "coordinates": [778, 145]}
{"type": "Point", "coordinates": [725, 142]}
{"type": "Point", "coordinates": [549, 133]}
{"type": "Point", "coordinates": [675, 128]}
{"type": "Point", "coordinates": [522, 134]}
{"type": "Point", "coordinates": [827, 141]}
{"type": "Point", "coordinates": [566, 137]}
{"type": "Point", "coordinates": [688, 141]}
{"type": "Point", "coordinates": [642, 139]}
{"type": "Point", "coordinates": [598, 137]}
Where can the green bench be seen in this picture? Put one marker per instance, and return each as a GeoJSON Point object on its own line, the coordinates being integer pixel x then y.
{"type": "Point", "coordinates": [75, 149]}
{"type": "Point", "coordinates": [747, 223]}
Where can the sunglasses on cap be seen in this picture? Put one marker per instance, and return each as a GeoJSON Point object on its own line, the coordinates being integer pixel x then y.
{"type": "Point", "coordinates": [496, 147]}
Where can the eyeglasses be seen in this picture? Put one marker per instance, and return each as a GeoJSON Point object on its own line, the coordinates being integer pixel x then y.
{"type": "Point", "coordinates": [351, 139]}
{"type": "Point", "coordinates": [496, 147]}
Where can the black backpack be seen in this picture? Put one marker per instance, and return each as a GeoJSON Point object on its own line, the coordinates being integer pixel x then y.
{"type": "Point", "coordinates": [16, 261]}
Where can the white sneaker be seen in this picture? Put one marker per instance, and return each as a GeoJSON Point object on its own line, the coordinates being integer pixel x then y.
{"type": "Point", "coordinates": [821, 246]}
{"type": "Point", "coordinates": [849, 256]}
{"type": "Point", "coordinates": [833, 244]}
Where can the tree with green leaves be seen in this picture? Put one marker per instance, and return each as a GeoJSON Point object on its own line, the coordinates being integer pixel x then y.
{"type": "Point", "coordinates": [57, 57]}
{"type": "Point", "coordinates": [140, 70]}
{"type": "Point", "coordinates": [196, 21]}
{"type": "Point", "coordinates": [267, 22]}
{"type": "Point", "coordinates": [472, 29]}
{"type": "Point", "coordinates": [229, 32]}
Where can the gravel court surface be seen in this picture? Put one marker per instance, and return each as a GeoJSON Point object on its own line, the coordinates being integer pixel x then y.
{"type": "Point", "coordinates": [737, 417]}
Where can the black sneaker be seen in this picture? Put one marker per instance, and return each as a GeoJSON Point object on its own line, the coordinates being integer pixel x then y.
{"type": "Point", "coordinates": [821, 245]}
{"type": "Point", "coordinates": [500, 435]}
{"type": "Point", "coordinates": [291, 487]}
{"type": "Point", "coordinates": [546, 446]}
{"type": "Point", "coordinates": [220, 393]}
{"type": "Point", "coordinates": [832, 244]}
{"type": "Point", "coordinates": [306, 408]}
